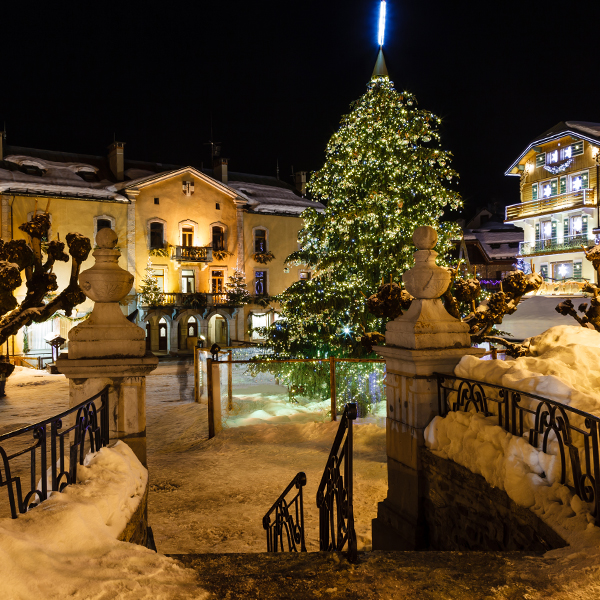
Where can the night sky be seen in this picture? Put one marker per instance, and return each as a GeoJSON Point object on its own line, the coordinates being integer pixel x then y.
{"type": "Point", "coordinates": [277, 76]}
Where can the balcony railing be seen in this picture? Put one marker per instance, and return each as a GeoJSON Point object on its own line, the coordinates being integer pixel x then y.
{"type": "Point", "coordinates": [552, 204]}
{"type": "Point", "coordinates": [192, 254]}
{"type": "Point", "coordinates": [572, 242]}
{"type": "Point", "coordinates": [193, 300]}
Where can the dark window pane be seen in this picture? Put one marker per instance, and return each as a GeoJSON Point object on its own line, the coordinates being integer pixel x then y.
{"type": "Point", "coordinates": [218, 238]}
{"type": "Point", "coordinates": [103, 224]}
{"type": "Point", "coordinates": [260, 282]}
{"type": "Point", "coordinates": [260, 240]}
{"type": "Point", "coordinates": [156, 235]}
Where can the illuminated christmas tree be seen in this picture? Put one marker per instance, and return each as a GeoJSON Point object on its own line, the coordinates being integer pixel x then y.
{"type": "Point", "coordinates": [237, 293]}
{"type": "Point", "coordinates": [150, 293]}
{"type": "Point", "coordinates": [384, 175]}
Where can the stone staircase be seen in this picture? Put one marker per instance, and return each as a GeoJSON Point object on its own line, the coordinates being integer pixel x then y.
{"type": "Point", "coordinates": [377, 575]}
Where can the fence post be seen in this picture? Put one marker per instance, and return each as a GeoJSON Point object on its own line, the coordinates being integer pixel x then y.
{"type": "Point", "coordinates": [213, 392]}
{"type": "Point", "coordinates": [230, 382]}
{"type": "Point", "coordinates": [332, 386]}
{"type": "Point", "coordinates": [196, 376]}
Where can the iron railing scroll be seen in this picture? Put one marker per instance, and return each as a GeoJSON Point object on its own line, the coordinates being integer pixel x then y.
{"type": "Point", "coordinates": [288, 524]}
{"type": "Point", "coordinates": [334, 496]}
{"type": "Point", "coordinates": [572, 433]}
{"type": "Point", "coordinates": [89, 429]}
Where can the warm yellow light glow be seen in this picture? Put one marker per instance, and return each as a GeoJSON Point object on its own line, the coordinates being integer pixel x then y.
{"type": "Point", "coordinates": [595, 150]}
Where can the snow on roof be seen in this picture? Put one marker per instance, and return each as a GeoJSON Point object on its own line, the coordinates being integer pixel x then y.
{"type": "Point", "coordinates": [271, 199]}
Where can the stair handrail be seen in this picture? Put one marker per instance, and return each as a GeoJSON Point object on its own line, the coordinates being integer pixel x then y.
{"type": "Point", "coordinates": [334, 496]}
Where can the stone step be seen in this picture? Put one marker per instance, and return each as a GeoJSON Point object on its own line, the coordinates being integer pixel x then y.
{"type": "Point", "coordinates": [376, 575]}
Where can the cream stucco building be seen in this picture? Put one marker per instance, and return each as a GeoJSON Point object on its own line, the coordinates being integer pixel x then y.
{"type": "Point", "coordinates": [195, 225]}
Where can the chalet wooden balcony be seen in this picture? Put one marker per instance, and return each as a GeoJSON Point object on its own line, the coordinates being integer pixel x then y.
{"type": "Point", "coordinates": [571, 243]}
{"type": "Point", "coordinates": [192, 254]}
{"type": "Point", "coordinates": [550, 205]}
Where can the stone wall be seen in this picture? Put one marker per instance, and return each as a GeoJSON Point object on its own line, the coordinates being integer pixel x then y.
{"type": "Point", "coordinates": [463, 512]}
{"type": "Point", "coordinates": [137, 531]}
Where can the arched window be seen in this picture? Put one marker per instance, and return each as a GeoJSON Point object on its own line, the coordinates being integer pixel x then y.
{"type": "Point", "coordinates": [218, 238]}
{"type": "Point", "coordinates": [157, 235]}
{"type": "Point", "coordinates": [192, 327]}
{"type": "Point", "coordinates": [260, 240]}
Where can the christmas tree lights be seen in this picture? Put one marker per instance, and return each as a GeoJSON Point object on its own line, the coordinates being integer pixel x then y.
{"type": "Point", "coordinates": [150, 292]}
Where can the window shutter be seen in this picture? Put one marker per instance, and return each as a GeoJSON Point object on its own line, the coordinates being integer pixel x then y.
{"type": "Point", "coordinates": [534, 191]}
{"type": "Point", "coordinates": [554, 187]}
{"type": "Point", "coordinates": [540, 160]}
{"type": "Point", "coordinates": [537, 232]}
{"type": "Point", "coordinates": [577, 269]}
{"type": "Point", "coordinates": [584, 180]}
{"type": "Point", "coordinates": [584, 226]}
{"type": "Point", "coordinates": [544, 272]}
{"type": "Point", "coordinates": [577, 148]}
{"type": "Point", "coordinates": [563, 185]}
{"type": "Point", "coordinates": [554, 227]}
{"type": "Point", "coordinates": [566, 227]}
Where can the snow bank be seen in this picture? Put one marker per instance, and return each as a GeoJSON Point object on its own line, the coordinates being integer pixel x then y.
{"type": "Point", "coordinates": [67, 546]}
{"type": "Point", "coordinates": [564, 366]}
{"type": "Point", "coordinates": [509, 463]}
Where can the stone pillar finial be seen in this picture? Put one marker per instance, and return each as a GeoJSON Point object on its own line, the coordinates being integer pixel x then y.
{"type": "Point", "coordinates": [107, 333]}
{"type": "Point", "coordinates": [427, 324]}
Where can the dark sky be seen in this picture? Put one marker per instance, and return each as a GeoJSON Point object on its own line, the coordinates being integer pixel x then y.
{"type": "Point", "coordinates": [277, 76]}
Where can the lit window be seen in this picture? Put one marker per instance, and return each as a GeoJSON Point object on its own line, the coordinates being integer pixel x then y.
{"type": "Point", "coordinates": [260, 283]}
{"type": "Point", "coordinates": [187, 237]}
{"type": "Point", "coordinates": [187, 281]}
{"type": "Point", "coordinates": [546, 230]}
{"type": "Point", "coordinates": [304, 275]}
{"type": "Point", "coordinates": [258, 320]}
{"type": "Point", "coordinates": [159, 275]}
{"type": "Point", "coordinates": [576, 225]}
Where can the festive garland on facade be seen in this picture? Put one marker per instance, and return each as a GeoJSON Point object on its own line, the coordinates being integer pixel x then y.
{"type": "Point", "coordinates": [221, 255]}
{"type": "Point", "coordinates": [263, 257]}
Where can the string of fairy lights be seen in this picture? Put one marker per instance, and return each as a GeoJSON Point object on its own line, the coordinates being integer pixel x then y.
{"type": "Point", "coordinates": [384, 174]}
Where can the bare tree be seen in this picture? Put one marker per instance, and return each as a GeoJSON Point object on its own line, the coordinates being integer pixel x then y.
{"type": "Point", "coordinates": [17, 257]}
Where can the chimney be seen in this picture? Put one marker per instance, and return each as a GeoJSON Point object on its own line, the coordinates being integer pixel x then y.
{"type": "Point", "coordinates": [116, 159]}
{"type": "Point", "coordinates": [300, 182]}
{"type": "Point", "coordinates": [220, 169]}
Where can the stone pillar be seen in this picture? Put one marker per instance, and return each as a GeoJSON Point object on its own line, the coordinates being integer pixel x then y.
{"type": "Point", "coordinates": [6, 217]}
{"type": "Point", "coordinates": [107, 349]}
{"type": "Point", "coordinates": [424, 340]}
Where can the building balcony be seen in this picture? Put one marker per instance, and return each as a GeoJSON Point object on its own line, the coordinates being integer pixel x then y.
{"type": "Point", "coordinates": [571, 243]}
{"type": "Point", "coordinates": [188, 300]}
{"type": "Point", "coordinates": [192, 254]}
{"type": "Point", "coordinates": [553, 204]}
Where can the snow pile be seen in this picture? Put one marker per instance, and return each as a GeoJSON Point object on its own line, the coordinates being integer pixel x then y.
{"type": "Point", "coordinates": [565, 367]}
{"type": "Point", "coordinates": [509, 463]}
{"type": "Point", "coordinates": [67, 546]}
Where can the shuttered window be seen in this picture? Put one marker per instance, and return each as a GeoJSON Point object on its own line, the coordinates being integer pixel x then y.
{"type": "Point", "coordinates": [566, 227]}
{"type": "Point", "coordinates": [544, 271]}
{"type": "Point", "coordinates": [540, 160]}
{"type": "Point", "coordinates": [584, 226]}
{"type": "Point", "coordinates": [577, 148]}
{"type": "Point", "coordinates": [563, 185]}
{"type": "Point", "coordinates": [554, 227]}
{"type": "Point", "coordinates": [577, 269]}
{"type": "Point", "coordinates": [537, 232]}
{"type": "Point", "coordinates": [534, 191]}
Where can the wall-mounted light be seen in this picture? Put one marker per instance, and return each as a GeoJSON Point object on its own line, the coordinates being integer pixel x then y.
{"type": "Point", "coordinates": [595, 150]}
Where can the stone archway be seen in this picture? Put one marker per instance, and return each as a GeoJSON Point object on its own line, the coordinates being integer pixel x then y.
{"type": "Point", "coordinates": [218, 328]}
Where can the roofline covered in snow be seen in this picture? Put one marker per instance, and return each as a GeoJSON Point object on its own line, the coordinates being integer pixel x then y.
{"type": "Point", "coordinates": [136, 186]}
{"type": "Point", "coordinates": [557, 132]}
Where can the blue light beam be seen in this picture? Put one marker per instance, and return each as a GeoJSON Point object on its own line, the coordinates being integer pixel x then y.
{"type": "Point", "coordinates": [381, 22]}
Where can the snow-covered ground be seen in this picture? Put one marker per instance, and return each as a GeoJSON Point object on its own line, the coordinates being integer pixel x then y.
{"type": "Point", "coordinates": [67, 547]}
{"type": "Point", "coordinates": [210, 496]}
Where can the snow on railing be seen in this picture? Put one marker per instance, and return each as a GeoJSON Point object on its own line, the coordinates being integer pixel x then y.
{"type": "Point", "coordinates": [90, 421]}
{"type": "Point", "coordinates": [549, 426]}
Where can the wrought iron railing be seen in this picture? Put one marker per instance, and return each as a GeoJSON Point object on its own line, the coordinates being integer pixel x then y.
{"type": "Point", "coordinates": [334, 496]}
{"type": "Point", "coordinates": [90, 428]}
{"type": "Point", "coordinates": [288, 524]}
{"type": "Point", "coordinates": [554, 203]}
{"type": "Point", "coordinates": [572, 432]}
{"type": "Point", "coordinates": [553, 244]}
{"type": "Point", "coordinates": [193, 254]}
{"type": "Point", "coordinates": [181, 299]}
